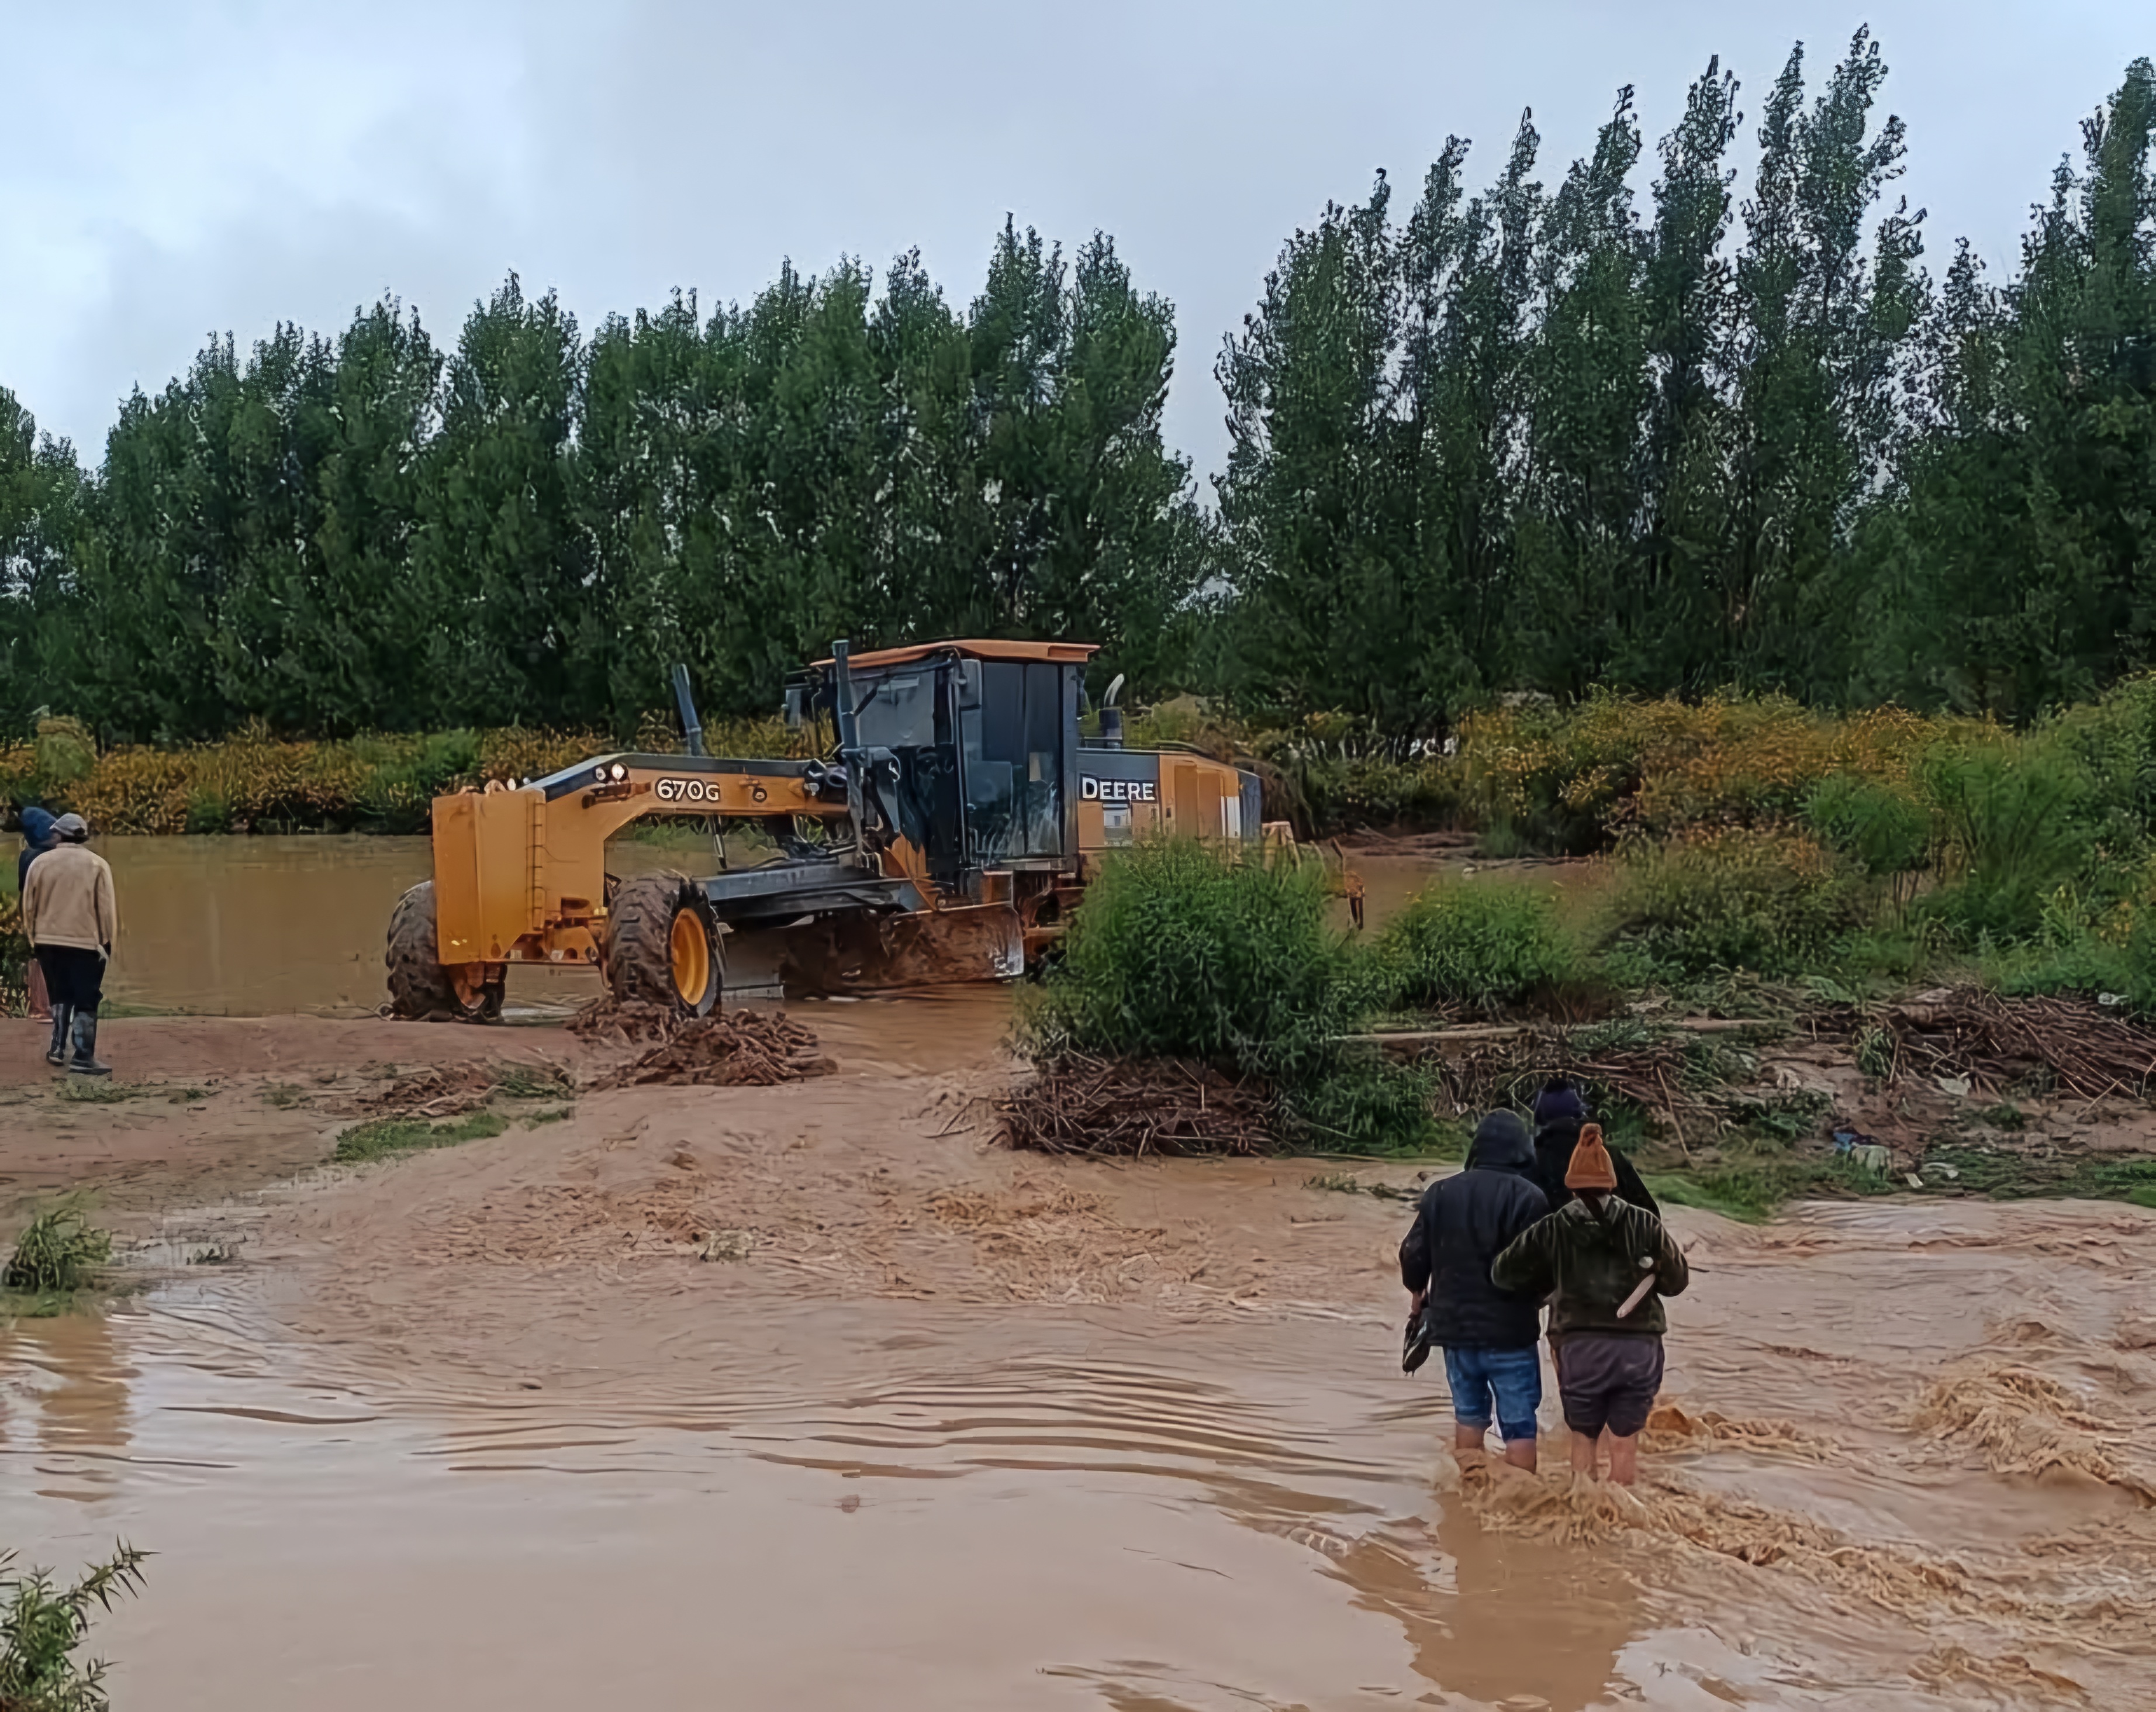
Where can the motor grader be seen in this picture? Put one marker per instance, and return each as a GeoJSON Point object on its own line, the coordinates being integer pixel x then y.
{"type": "Point", "coordinates": [956, 821]}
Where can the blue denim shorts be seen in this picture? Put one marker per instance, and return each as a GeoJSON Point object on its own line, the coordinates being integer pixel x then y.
{"type": "Point", "coordinates": [1513, 1377]}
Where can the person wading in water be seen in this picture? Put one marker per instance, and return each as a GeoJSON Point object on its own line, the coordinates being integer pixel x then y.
{"type": "Point", "coordinates": [1605, 1266]}
{"type": "Point", "coordinates": [1488, 1335]}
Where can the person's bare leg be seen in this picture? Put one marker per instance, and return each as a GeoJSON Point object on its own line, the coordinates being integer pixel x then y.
{"type": "Point", "coordinates": [1520, 1452]}
{"type": "Point", "coordinates": [1582, 1454]}
{"type": "Point", "coordinates": [1623, 1458]}
{"type": "Point", "coordinates": [1467, 1438]}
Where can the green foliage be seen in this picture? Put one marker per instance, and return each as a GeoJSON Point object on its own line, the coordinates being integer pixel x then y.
{"type": "Point", "coordinates": [1774, 905]}
{"type": "Point", "coordinates": [42, 1626]}
{"type": "Point", "coordinates": [1176, 951]}
{"type": "Point", "coordinates": [384, 1137]}
{"type": "Point", "coordinates": [58, 1251]}
{"type": "Point", "coordinates": [1884, 828]}
{"type": "Point", "coordinates": [2011, 823]}
{"type": "Point", "coordinates": [1366, 1106]}
{"type": "Point", "coordinates": [2015, 1173]}
{"type": "Point", "coordinates": [1475, 942]}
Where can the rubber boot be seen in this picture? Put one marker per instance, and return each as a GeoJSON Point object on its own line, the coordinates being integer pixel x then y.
{"type": "Point", "coordinates": [84, 1062]}
{"type": "Point", "coordinates": [56, 1054]}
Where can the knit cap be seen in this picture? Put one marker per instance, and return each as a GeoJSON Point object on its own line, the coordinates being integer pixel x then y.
{"type": "Point", "coordinates": [1558, 1104]}
{"type": "Point", "coordinates": [1590, 1167]}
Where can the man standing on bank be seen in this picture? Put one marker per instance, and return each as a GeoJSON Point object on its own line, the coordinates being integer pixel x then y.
{"type": "Point", "coordinates": [1605, 1266]}
{"type": "Point", "coordinates": [71, 920]}
{"type": "Point", "coordinates": [1487, 1333]}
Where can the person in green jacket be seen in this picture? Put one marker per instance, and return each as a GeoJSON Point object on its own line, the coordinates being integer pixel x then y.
{"type": "Point", "coordinates": [1605, 1265]}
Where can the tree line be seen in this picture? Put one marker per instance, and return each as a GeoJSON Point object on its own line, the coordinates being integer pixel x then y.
{"type": "Point", "coordinates": [1646, 429]}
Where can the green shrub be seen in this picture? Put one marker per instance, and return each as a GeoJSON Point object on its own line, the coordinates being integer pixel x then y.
{"type": "Point", "coordinates": [1883, 828]}
{"type": "Point", "coordinates": [42, 1626]}
{"type": "Point", "coordinates": [1776, 904]}
{"type": "Point", "coordinates": [1177, 951]}
{"type": "Point", "coordinates": [1474, 942]}
{"type": "Point", "coordinates": [1365, 1106]}
{"type": "Point", "coordinates": [2012, 829]}
{"type": "Point", "coordinates": [59, 1251]}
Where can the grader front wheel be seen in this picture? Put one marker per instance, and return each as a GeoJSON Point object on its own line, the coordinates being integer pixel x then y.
{"type": "Point", "coordinates": [421, 987]}
{"type": "Point", "coordinates": [661, 945]}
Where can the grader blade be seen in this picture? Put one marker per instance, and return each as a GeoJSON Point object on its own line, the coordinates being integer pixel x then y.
{"type": "Point", "coordinates": [934, 948]}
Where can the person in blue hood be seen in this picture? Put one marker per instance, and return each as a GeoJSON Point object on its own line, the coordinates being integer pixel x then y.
{"type": "Point", "coordinates": [38, 838]}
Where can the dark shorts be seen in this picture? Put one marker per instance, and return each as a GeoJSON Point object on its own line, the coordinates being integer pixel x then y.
{"type": "Point", "coordinates": [73, 977]}
{"type": "Point", "coordinates": [1608, 1384]}
{"type": "Point", "coordinates": [1510, 1379]}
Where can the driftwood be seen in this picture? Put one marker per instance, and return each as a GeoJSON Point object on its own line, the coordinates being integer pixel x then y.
{"type": "Point", "coordinates": [746, 1049]}
{"type": "Point", "coordinates": [2087, 1050]}
{"type": "Point", "coordinates": [1133, 1107]}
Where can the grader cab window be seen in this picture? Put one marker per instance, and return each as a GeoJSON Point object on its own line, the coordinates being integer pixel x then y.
{"type": "Point", "coordinates": [1013, 760]}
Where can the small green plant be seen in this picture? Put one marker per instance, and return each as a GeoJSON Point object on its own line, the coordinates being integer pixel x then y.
{"type": "Point", "coordinates": [1874, 1053]}
{"type": "Point", "coordinates": [386, 1137]}
{"type": "Point", "coordinates": [43, 1627]}
{"type": "Point", "coordinates": [533, 1081]}
{"type": "Point", "coordinates": [1474, 942]}
{"type": "Point", "coordinates": [283, 1094]}
{"type": "Point", "coordinates": [58, 1253]}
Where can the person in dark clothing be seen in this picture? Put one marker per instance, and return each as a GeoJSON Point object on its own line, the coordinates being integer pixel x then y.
{"type": "Point", "coordinates": [38, 838]}
{"type": "Point", "coordinates": [1488, 1335]}
{"type": "Point", "coordinates": [1605, 1266]}
{"type": "Point", "coordinates": [1559, 1112]}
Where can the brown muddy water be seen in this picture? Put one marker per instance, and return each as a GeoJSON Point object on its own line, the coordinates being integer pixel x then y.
{"type": "Point", "coordinates": [282, 926]}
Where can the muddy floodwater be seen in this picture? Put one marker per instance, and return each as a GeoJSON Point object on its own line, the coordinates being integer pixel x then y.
{"type": "Point", "coordinates": [282, 926]}
{"type": "Point", "coordinates": [810, 1395]}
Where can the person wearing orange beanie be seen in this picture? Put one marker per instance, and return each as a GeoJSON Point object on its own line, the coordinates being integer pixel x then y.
{"type": "Point", "coordinates": [1605, 1265]}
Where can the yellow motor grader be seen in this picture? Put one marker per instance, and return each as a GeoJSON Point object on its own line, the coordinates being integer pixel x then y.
{"type": "Point", "coordinates": [955, 824]}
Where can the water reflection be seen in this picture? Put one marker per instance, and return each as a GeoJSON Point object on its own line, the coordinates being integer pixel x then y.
{"type": "Point", "coordinates": [67, 1410]}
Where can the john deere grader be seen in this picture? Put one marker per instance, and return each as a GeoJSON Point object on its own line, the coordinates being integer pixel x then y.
{"type": "Point", "coordinates": [955, 822]}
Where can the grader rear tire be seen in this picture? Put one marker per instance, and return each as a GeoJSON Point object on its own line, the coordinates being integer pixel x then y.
{"type": "Point", "coordinates": [420, 989]}
{"type": "Point", "coordinates": [661, 948]}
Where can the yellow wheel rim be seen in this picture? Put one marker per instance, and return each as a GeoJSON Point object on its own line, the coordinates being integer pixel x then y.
{"type": "Point", "coordinates": [689, 949]}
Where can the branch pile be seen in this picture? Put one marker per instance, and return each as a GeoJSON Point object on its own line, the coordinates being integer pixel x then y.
{"type": "Point", "coordinates": [631, 1022]}
{"type": "Point", "coordinates": [748, 1048]}
{"type": "Point", "coordinates": [2088, 1051]}
{"type": "Point", "coordinates": [1649, 1074]}
{"type": "Point", "coordinates": [448, 1090]}
{"type": "Point", "coordinates": [1132, 1107]}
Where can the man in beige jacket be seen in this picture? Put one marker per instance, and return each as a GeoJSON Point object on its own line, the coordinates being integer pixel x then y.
{"type": "Point", "coordinates": [70, 919]}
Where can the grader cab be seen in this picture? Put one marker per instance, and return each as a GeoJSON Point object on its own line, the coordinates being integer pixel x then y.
{"type": "Point", "coordinates": [955, 821]}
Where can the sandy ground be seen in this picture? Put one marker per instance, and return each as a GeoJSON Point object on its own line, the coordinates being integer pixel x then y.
{"type": "Point", "coordinates": [1910, 1458]}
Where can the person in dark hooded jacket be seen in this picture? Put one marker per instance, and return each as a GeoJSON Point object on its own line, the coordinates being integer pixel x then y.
{"type": "Point", "coordinates": [38, 838]}
{"type": "Point", "coordinates": [1559, 1112]}
{"type": "Point", "coordinates": [1489, 1335]}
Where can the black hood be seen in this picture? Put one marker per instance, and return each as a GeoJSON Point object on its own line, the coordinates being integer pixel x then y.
{"type": "Point", "coordinates": [1501, 1144]}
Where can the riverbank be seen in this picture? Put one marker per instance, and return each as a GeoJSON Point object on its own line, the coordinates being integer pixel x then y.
{"type": "Point", "coordinates": [818, 1344]}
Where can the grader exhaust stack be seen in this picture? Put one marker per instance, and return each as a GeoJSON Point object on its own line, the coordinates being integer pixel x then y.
{"type": "Point", "coordinates": [944, 836]}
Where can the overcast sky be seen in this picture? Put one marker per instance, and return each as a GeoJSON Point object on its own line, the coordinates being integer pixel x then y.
{"type": "Point", "coordinates": [171, 169]}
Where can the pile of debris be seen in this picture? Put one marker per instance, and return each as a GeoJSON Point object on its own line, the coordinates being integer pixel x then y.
{"type": "Point", "coordinates": [2087, 1049]}
{"type": "Point", "coordinates": [748, 1048]}
{"type": "Point", "coordinates": [627, 1022]}
{"type": "Point", "coordinates": [1133, 1107]}
{"type": "Point", "coordinates": [450, 1090]}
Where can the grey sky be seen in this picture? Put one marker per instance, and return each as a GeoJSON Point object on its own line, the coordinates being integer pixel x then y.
{"type": "Point", "coordinates": [176, 168]}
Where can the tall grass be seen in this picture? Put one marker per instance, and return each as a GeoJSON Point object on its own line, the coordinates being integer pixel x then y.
{"type": "Point", "coordinates": [1773, 903]}
{"type": "Point", "coordinates": [60, 1252]}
